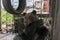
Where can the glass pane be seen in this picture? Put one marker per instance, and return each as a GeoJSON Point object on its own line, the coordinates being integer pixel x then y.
{"type": "Point", "coordinates": [38, 5]}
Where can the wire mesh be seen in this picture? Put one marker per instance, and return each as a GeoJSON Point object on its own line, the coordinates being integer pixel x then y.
{"type": "Point", "coordinates": [16, 19]}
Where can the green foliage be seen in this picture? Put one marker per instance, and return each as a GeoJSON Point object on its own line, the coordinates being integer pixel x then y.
{"type": "Point", "coordinates": [45, 20]}
{"type": "Point", "coordinates": [6, 17]}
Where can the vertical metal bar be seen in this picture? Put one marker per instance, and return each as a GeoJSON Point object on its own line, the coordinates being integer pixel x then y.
{"type": "Point", "coordinates": [16, 23]}
{"type": "Point", "coordinates": [56, 35]}
{"type": "Point", "coordinates": [0, 15]}
{"type": "Point", "coordinates": [33, 4]}
{"type": "Point", "coordinates": [41, 9]}
{"type": "Point", "coordinates": [52, 12]}
{"type": "Point", "coordinates": [6, 22]}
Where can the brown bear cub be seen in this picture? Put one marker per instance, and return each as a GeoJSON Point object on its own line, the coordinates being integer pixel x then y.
{"type": "Point", "coordinates": [34, 28]}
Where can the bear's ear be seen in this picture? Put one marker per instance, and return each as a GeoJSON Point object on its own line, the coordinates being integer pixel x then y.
{"type": "Point", "coordinates": [24, 14]}
{"type": "Point", "coordinates": [34, 12]}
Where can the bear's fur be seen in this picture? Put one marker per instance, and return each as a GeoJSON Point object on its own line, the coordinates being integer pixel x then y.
{"type": "Point", "coordinates": [34, 28]}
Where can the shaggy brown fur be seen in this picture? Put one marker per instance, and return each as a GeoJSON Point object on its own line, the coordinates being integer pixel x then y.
{"type": "Point", "coordinates": [33, 27]}
{"type": "Point", "coordinates": [29, 18]}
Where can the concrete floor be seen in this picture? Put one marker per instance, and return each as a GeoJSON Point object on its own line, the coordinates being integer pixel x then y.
{"type": "Point", "coordinates": [7, 36]}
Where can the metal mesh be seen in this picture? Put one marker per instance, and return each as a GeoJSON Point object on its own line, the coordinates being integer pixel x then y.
{"type": "Point", "coordinates": [11, 21]}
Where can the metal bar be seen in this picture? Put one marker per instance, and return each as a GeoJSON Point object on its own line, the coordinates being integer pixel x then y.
{"type": "Point", "coordinates": [6, 22]}
{"type": "Point", "coordinates": [57, 21]}
{"type": "Point", "coordinates": [52, 12]}
{"type": "Point", "coordinates": [16, 23]}
{"type": "Point", "coordinates": [0, 15]}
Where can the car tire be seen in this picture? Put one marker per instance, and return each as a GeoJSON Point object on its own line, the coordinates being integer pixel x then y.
{"type": "Point", "coordinates": [8, 7]}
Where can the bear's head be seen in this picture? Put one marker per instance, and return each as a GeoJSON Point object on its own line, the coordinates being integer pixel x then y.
{"type": "Point", "coordinates": [29, 18]}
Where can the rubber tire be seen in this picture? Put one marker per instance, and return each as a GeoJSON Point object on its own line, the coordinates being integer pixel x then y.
{"type": "Point", "coordinates": [8, 7]}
